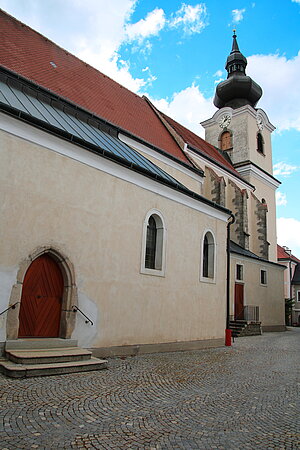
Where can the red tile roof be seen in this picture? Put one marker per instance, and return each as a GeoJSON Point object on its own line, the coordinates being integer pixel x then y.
{"type": "Point", "coordinates": [31, 55]}
{"type": "Point", "coordinates": [282, 254]}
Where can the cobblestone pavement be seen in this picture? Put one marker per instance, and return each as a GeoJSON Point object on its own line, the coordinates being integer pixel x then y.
{"type": "Point", "coordinates": [241, 397]}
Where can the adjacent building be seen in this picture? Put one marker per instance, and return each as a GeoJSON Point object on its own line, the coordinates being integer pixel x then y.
{"type": "Point", "coordinates": [291, 282]}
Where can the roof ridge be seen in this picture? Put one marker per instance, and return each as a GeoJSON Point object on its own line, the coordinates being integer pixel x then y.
{"type": "Point", "coordinates": [175, 135]}
{"type": "Point", "coordinates": [212, 147]}
{"type": "Point", "coordinates": [198, 137]}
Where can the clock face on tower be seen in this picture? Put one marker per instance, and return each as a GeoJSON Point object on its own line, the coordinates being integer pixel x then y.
{"type": "Point", "coordinates": [225, 121]}
{"type": "Point", "coordinates": [259, 122]}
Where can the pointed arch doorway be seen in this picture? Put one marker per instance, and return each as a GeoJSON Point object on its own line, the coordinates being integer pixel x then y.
{"type": "Point", "coordinates": [41, 301]}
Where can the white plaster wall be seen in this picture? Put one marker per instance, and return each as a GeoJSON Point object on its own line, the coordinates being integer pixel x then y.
{"type": "Point", "coordinates": [7, 280]}
{"type": "Point", "coordinates": [187, 180]}
{"type": "Point", "coordinates": [96, 220]}
{"type": "Point", "coordinates": [269, 298]}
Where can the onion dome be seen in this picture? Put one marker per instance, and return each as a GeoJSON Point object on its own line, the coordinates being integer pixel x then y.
{"type": "Point", "coordinates": [239, 89]}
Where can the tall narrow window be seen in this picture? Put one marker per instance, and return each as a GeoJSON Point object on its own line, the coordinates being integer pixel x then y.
{"type": "Point", "coordinates": [260, 143]}
{"type": "Point", "coordinates": [226, 143]}
{"type": "Point", "coordinates": [205, 257]}
{"type": "Point", "coordinates": [151, 244]}
{"type": "Point", "coordinates": [208, 256]}
{"type": "Point", "coordinates": [153, 250]}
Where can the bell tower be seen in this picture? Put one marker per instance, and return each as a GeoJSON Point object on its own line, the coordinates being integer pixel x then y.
{"type": "Point", "coordinates": [244, 133]}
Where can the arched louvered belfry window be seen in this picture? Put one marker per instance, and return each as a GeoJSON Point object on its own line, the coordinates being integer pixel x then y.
{"type": "Point", "coordinates": [153, 244]}
{"type": "Point", "coordinates": [226, 141]}
{"type": "Point", "coordinates": [260, 143]}
{"type": "Point", "coordinates": [208, 256]}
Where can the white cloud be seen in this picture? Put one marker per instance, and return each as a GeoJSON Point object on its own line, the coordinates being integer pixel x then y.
{"type": "Point", "coordinates": [150, 26]}
{"type": "Point", "coordinates": [296, 1]}
{"type": "Point", "coordinates": [218, 73]}
{"type": "Point", "coordinates": [192, 19]}
{"type": "Point", "coordinates": [238, 15]}
{"type": "Point", "coordinates": [218, 81]}
{"type": "Point", "coordinates": [279, 78]}
{"type": "Point", "coordinates": [283, 169]}
{"type": "Point", "coordinates": [288, 233]}
{"type": "Point", "coordinates": [189, 107]}
{"type": "Point", "coordinates": [281, 199]}
{"type": "Point", "coordinates": [94, 31]}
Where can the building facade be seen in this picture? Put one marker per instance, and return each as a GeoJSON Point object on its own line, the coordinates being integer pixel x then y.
{"type": "Point", "coordinates": [115, 217]}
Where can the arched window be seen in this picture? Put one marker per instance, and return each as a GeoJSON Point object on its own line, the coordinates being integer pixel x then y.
{"type": "Point", "coordinates": [226, 143]}
{"type": "Point", "coordinates": [208, 256]}
{"type": "Point", "coordinates": [153, 244]}
{"type": "Point", "coordinates": [260, 143]}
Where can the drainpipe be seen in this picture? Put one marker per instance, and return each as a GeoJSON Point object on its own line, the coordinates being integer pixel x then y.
{"type": "Point", "coordinates": [228, 331]}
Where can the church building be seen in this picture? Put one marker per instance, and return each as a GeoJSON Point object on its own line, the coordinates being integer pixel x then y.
{"type": "Point", "coordinates": [115, 218]}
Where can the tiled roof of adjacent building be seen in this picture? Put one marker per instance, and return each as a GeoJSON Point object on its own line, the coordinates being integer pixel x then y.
{"type": "Point", "coordinates": [283, 254]}
{"type": "Point", "coordinates": [38, 59]}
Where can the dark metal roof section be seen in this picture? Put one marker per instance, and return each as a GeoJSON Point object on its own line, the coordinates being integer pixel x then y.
{"type": "Point", "coordinates": [239, 89]}
{"type": "Point", "coordinates": [34, 105]}
{"type": "Point", "coordinates": [235, 248]}
{"type": "Point", "coordinates": [296, 277]}
{"type": "Point", "coordinates": [51, 114]}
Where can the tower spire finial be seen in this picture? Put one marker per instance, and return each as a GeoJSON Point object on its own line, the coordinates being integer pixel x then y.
{"type": "Point", "coordinates": [239, 89]}
{"type": "Point", "coordinates": [235, 47]}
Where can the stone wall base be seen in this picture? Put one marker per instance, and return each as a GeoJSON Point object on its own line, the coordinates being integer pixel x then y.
{"type": "Point", "coordinates": [133, 350]}
{"type": "Point", "coordinates": [268, 328]}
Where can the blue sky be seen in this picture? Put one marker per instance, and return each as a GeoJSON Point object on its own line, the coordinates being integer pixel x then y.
{"type": "Point", "coordinates": [174, 52]}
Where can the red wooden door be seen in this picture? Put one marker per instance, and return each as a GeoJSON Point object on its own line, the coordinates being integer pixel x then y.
{"type": "Point", "coordinates": [41, 300]}
{"type": "Point", "coordinates": [238, 301]}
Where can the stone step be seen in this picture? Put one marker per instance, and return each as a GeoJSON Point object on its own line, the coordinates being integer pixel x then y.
{"type": "Point", "coordinates": [28, 343]}
{"type": "Point", "coordinates": [48, 356]}
{"type": "Point", "coordinates": [242, 328]}
{"type": "Point", "coordinates": [13, 370]}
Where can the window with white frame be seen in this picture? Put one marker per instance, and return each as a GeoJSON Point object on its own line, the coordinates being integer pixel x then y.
{"type": "Point", "coordinates": [153, 251]}
{"type": "Point", "coordinates": [263, 277]}
{"type": "Point", "coordinates": [239, 276]}
{"type": "Point", "coordinates": [298, 296]}
{"type": "Point", "coordinates": [208, 256]}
